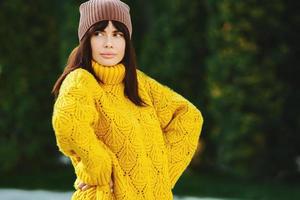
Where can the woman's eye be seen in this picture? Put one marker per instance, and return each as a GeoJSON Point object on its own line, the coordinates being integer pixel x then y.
{"type": "Point", "coordinates": [98, 33]}
{"type": "Point", "coordinates": [118, 34]}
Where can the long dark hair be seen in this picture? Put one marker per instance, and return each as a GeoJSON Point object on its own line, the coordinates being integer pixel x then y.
{"type": "Point", "coordinates": [81, 57]}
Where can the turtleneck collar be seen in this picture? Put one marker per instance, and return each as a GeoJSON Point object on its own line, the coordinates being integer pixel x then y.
{"type": "Point", "coordinates": [110, 75]}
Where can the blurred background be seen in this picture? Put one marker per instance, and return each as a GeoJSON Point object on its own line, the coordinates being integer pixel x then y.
{"type": "Point", "coordinates": [235, 60]}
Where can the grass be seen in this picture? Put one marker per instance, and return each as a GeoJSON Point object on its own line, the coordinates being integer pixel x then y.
{"type": "Point", "coordinates": [57, 179]}
{"type": "Point", "coordinates": [211, 185]}
{"type": "Point", "coordinates": [190, 184]}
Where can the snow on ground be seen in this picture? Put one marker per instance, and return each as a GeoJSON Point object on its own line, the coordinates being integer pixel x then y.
{"type": "Point", "coordinates": [17, 194]}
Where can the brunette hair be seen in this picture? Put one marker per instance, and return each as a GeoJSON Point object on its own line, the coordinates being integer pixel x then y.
{"type": "Point", "coordinates": [81, 57]}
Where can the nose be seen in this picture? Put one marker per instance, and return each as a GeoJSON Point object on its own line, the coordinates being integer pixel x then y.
{"type": "Point", "coordinates": [108, 42]}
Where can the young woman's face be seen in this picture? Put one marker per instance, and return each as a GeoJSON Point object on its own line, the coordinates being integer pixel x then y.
{"type": "Point", "coordinates": [108, 46]}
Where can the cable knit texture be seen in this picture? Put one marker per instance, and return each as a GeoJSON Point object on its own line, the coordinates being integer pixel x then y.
{"type": "Point", "coordinates": [144, 150]}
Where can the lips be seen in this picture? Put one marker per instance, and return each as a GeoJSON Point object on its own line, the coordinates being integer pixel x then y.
{"type": "Point", "coordinates": [108, 55]}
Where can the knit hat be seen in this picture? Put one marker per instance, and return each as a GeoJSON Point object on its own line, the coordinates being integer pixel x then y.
{"type": "Point", "coordinates": [94, 11]}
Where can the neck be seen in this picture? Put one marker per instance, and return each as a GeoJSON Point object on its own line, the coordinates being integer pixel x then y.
{"type": "Point", "coordinates": [110, 75]}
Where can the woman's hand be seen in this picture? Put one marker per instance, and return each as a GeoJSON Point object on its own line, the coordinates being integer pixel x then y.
{"type": "Point", "coordinates": [82, 186]}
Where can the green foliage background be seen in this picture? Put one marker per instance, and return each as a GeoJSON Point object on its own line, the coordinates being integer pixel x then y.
{"type": "Point", "coordinates": [235, 60]}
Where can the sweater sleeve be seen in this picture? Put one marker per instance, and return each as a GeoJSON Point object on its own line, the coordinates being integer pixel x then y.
{"type": "Point", "coordinates": [181, 123]}
{"type": "Point", "coordinates": [73, 115]}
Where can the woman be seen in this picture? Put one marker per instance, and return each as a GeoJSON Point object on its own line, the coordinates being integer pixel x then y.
{"type": "Point", "coordinates": [127, 135]}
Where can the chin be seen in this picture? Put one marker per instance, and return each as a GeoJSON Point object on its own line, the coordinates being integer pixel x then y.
{"type": "Point", "coordinates": [107, 63]}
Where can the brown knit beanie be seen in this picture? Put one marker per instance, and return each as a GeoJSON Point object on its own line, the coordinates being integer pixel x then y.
{"type": "Point", "coordinates": [94, 11]}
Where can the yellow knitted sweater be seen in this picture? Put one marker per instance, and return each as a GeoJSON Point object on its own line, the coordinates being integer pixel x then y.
{"type": "Point", "coordinates": [144, 150]}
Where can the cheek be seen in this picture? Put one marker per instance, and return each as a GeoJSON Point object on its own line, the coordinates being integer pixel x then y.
{"type": "Point", "coordinates": [95, 45]}
{"type": "Point", "coordinates": [122, 47]}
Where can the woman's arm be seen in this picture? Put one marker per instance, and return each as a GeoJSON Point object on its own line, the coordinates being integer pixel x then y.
{"type": "Point", "coordinates": [181, 123]}
{"type": "Point", "coordinates": [73, 115]}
